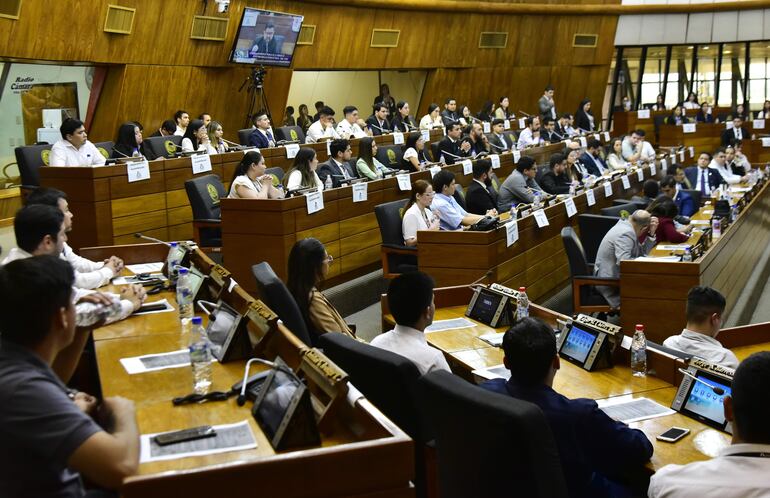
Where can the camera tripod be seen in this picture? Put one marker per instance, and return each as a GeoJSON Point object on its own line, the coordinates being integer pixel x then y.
{"type": "Point", "coordinates": [257, 95]}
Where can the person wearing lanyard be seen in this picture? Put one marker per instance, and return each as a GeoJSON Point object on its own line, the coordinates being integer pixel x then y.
{"type": "Point", "coordinates": [743, 468]}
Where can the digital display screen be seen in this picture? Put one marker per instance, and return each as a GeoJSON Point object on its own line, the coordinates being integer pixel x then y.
{"type": "Point", "coordinates": [221, 323]}
{"type": "Point", "coordinates": [196, 279]}
{"type": "Point", "coordinates": [578, 344]}
{"type": "Point", "coordinates": [704, 402]}
{"type": "Point", "coordinates": [266, 37]}
{"type": "Point", "coordinates": [485, 307]}
{"type": "Point", "coordinates": [272, 409]}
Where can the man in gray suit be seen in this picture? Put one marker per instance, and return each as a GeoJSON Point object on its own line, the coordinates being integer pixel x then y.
{"type": "Point", "coordinates": [519, 186]}
{"type": "Point", "coordinates": [622, 242]}
{"type": "Point", "coordinates": [546, 105]}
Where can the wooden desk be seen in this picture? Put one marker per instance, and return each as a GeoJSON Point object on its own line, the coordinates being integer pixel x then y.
{"type": "Point", "coordinates": [707, 136]}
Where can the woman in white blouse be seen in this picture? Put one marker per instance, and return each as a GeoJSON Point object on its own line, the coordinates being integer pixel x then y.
{"type": "Point", "coordinates": [250, 181]}
{"type": "Point", "coordinates": [196, 138]}
{"type": "Point", "coordinates": [414, 153]}
{"type": "Point", "coordinates": [417, 214]}
{"type": "Point", "coordinates": [432, 119]}
{"type": "Point", "coordinates": [615, 158]}
{"type": "Point", "coordinates": [216, 133]}
{"type": "Point", "coordinates": [303, 172]}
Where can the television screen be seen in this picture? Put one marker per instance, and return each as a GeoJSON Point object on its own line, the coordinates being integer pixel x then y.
{"type": "Point", "coordinates": [266, 38]}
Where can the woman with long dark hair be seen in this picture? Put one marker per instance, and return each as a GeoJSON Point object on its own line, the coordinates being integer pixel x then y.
{"type": "Point", "coordinates": [196, 138]}
{"type": "Point", "coordinates": [367, 165]}
{"type": "Point", "coordinates": [308, 266]}
{"type": "Point", "coordinates": [303, 172]}
{"type": "Point", "coordinates": [129, 141]}
{"type": "Point", "coordinates": [704, 114]}
{"type": "Point", "coordinates": [401, 121]}
{"type": "Point", "coordinates": [303, 120]}
{"type": "Point", "coordinates": [502, 109]}
{"type": "Point", "coordinates": [665, 209]}
{"type": "Point", "coordinates": [386, 98]}
{"type": "Point", "coordinates": [432, 119]}
{"type": "Point", "coordinates": [584, 118]}
{"type": "Point", "coordinates": [414, 158]}
{"type": "Point", "coordinates": [250, 181]}
{"type": "Point", "coordinates": [487, 112]}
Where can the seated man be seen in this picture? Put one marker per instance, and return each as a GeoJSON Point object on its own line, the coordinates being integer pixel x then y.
{"type": "Point", "coordinates": [349, 128]}
{"type": "Point", "coordinates": [719, 163]}
{"type": "Point", "coordinates": [631, 147]}
{"type": "Point", "coordinates": [555, 180]}
{"type": "Point", "coordinates": [741, 470]}
{"type": "Point", "coordinates": [592, 160]}
{"type": "Point", "coordinates": [266, 44]}
{"type": "Point", "coordinates": [323, 128]}
{"type": "Point", "coordinates": [699, 337]}
{"type": "Point", "coordinates": [647, 154]}
{"type": "Point", "coordinates": [481, 197]}
{"type": "Point", "coordinates": [88, 274]}
{"type": "Point", "coordinates": [499, 141]}
{"type": "Point", "coordinates": [593, 448]}
{"type": "Point", "coordinates": [520, 185]}
{"type": "Point", "coordinates": [677, 171]}
{"type": "Point", "coordinates": [451, 214]}
{"type": "Point", "coordinates": [684, 201]}
{"type": "Point", "coordinates": [449, 114]}
{"type": "Point", "coordinates": [450, 148]}
{"type": "Point", "coordinates": [41, 230]}
{"type": "Point", "coordinates": [74, 149]}
{"type": "Point", "coordinates": [262, 135]}
{"type": "Point", "coordinates": [702, 177]}
{"type": "Point", "coordinates": [338, 165]}
{"type": "Point", "coordinates": [735, 134]}
{"type": "Point", "coordinates": [378, 121]}
{"type": "Point", "coordinates": [650, 192]}
{"type": "Point", "coordinates": [48, 439]}
{"type": "Point", "coordinates": [529, 136]}
{"type": "Point", "coordinates": [622, 242]}
{"type": "Point", "coordinates": [167, 128]}
{"type": "Point", "coordinates": [476, 139]}
{"type": "Point", "coordinates": [410, 299]}
{"type": "Point", "coordinates": [549, 131]}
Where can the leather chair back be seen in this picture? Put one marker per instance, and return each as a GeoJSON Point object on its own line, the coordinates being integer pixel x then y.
{"type": "Point", "coordinates": [243, 135]}
{"type": "Point", "coordinates": [274, 293]}
{"type": "Point", "coordinates": [696, 196]}
{"type": "Point", "coordinates": [277, 173]}
{"type": "Point", "coordinates": [290, 133]}
{"type": "Point", "coordinates": [615, 211]}
{"type": "Point", "coordinates": [389, 218]}
{"type": "Point", "coordinates": [593, 228]}
{"type": "Point", "coordinates": [459, 195]}
{"type": "Point", "coordinates": [105, 148]}
{"type": "Point", "coordinates": [29, 159]}
{"type": "Point", "coordinates": [576, 256]}
{"type": "Point", "coordinates": [204, 193]}
{"type": "Point", "coordinates": [163, 146]}
{"type": "Point", "coordinates": [390, 156]}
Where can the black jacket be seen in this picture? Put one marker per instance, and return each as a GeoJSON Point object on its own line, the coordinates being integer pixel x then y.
{"type": "Point", "coordinates": [446, 145]}
{"type": "Point", "coordinates": [478, 199]}
{"type": "Point", "coordinates": [555, 184]}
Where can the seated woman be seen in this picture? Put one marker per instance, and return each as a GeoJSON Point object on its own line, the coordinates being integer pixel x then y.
{"type": "Point", "coordinates": [303, 172]}
{"type": "Point", "coordinates": [451, 214]}
{"type": "Point", "coordinates": [502, 111]}
{"type": "Point", "coordinates": [414, 153]}
{"type": "Point", "coordinates": [575, 170]}
{"type": "Point", "coordinates": [659, 105]}
{"type": "Point", "coordinates": [367, 165]}
{"type": "Point", "coordinates": [129, 142]}
{"type": "Point", "coordinates": [417, 213]}
{"type": "Point", "coordinates": [677, 116]}
{"type": "Point", "coordinates": [308, 266]}
{"type": "Point", "coordinates": [487, 112]}
{"type": "Point", "coordinates": [615, 156]}
{"type": "Point", "coordinates": [215, 133]}
{"type": "Point", "coordinates": [692, 102]}
{"type": "Point", "coordinates": [765, 112]}
{"type": "Point", "coordinates": [250, 181]}
{"type": "Point", "coordinates": [704, 114]}
{"type": "Point", "coordinates": [432, 119]}
{"type": "Point", "coordinates": [196, 138]}
{"type": "Point", "coordinates": [665, 209]}
{"type": "Point", "coordinates": [465, 116]}
{"type": "Point", "coordinates": [402, 122]}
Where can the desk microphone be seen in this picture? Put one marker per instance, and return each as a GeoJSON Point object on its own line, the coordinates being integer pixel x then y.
{"type": "Point", "coordinates": [116, 150]}
{"type": "Point", "coordinates": [384, 132]}
{"type": "Point", "coordinates": [525, 114]}
{"type": "Point", "coordinates": [498, 147]}
{"type": "Point", "coordinates": [241, 400]}
{"type": "Point", "coordinates": [233, 143]}
{"type": "Point", "coordinates": [286, 142]}
{"type": "Point", "coordinates": [410, 126]}
{"type": "Point", "coordinates": [152, 239]}
{"type": "Point", "coordinates": [717, 390]}
{"type": "Point", "coordinates": [561, 137]}
{"type": "Point", "coordinates": [483, 277]}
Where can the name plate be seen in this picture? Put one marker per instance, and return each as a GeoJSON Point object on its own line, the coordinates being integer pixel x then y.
{"type": "Point", "coordinates": [688, 128]}
{"type": "Point", "coordinates": [590, 197]}
{"type": "Point", "coordinates": [516, 156]}
{"type": "Point", "coordinates": [681, 155]}
{"type": "Point", "coordinates": [626, 182]}
{"type": "Point", "coordinates": [467, 167]}
{"type": "Point", "coordinates": [608, 189]}
{"type": "Point", "coordinates": [643, 114]}
{"type": "Point", "coordinates": [606, 136]}
{"type": "Point", "coordinates": [495, 159]}
{"type": "Point", "coordinates": [329, 148]}
{"type": "Point", "coordinates": [653, 171]}
{"type": "Point", "coordinates": [569, 203]}
{"type": "Point", "coordinates": [541, 218]}
{"type": "Point", "coordinates": [138, 170]}
{"type": "Point", "coordinates": [360, 192]}
{"type": "Point", "coordinates": [486, 126]}
{"type": "Point", "coordinates": [765, 141]}
{"type": "Point", "coordinates": [663, 165]}
{"type": "Point", "coordinates": [758, 124]}
{"type": "Point", "coordinates": [597, 137]}
{"type": "Point", "coordinates": [640, 174]}
{"type": "Point", "coordinates": [434, 170]}
{"type": "Point", "coordinates": [583, 142]}
{"type": "Point", "coordinates": [200, 163]}
{"type": "Point", "coordinates": [314, 202]}
{"type": "Point", "coordinates": [691, 149]}
{"type": "Point", "coordinates": [522, 123]}
{"type": "Point", "coordinates": [403, 182]}
{"type": "Point", "coordinates": [506, 124]}
{"type": "Point", "coordinates": [511, 232]}
{"type": "Point", "coordinates": [398, 138]}
{"type": "Point", "coordinates": [426, 135]}
{"type": "Point", "coordinates": [291, 150]}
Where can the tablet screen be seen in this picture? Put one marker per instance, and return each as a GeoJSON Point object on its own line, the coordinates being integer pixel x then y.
{"type": "Point", "coordinates": [278, 396]}
{"type": "Point", "coordinates": [221, 323]}
{"type": "Point", "coordinates": [578, 344]}
{"type": "Point", "coordinates": [485, 307]}
{"type": "Point", "coordinates": [704, 402]}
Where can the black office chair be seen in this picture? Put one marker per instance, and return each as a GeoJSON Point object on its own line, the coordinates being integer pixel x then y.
{"type": "Point", "coordinates": [277, 173]}
{"type": "Point", "coordinates": [593, 228]}
{"type": "Point", "coordinates": [396, 257]}
{"type": "Point", "coordinates": [290, 133]}
{"type": "Point", "coordinates": [585, 298]}
{"type": "Point", "coordinates": [243, 135]}
{"type": "Point", "coordinates": [204, 193]}
{"type": "Point", "coordinates": [622, 202]}
{"type": "Point", "coordinates": [696, 195]}
{"type": "Point", "coordinates": [389, 381]}
{"type": "Point", "coordinates": [105, 148]}
{"type": "Point", "coordinates": [162, 146]}
{"type": "Point", "coordinates": [30, 159]}
{"type": "Point", "coordinates": [488, 444]}
{"type": "Point", "coordinates": [459, 195]}
{"type": "Point", "coordinates": [277, 297]}
{"type": "Point", "coordinates": [390, 156]}
{"type": "Point", "coordinates": [434, 152]}
{"type": "Point", "coordinates": [615, 211]}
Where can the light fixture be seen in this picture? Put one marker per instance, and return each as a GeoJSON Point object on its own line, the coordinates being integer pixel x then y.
{"type": "Point", "coordinates": [691, 47]}
{"type": "Point", "coordinates": [728, 51]}
{"type": "Point", "coordinates": [706, 48]}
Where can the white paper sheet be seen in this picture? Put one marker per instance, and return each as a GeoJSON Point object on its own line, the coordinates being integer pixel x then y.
{"type": "Point", "coordinates": [230, 437]}
{"type": "Point", "coordinates": [145, 267]}
{"type": "Point", "coordinates": [493, 339]}
{"type": "Point", "coordinates": [450, 324]}
{"type": "Point", "coordinates": [158, 361]}
{"type": "Point", "coordinates": [633, 410]}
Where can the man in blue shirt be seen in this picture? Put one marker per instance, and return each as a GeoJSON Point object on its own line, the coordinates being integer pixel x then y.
{"type": "Point", "coordinates": [593, 448]}
{"type": "Point", "coordinates": [451, 214]}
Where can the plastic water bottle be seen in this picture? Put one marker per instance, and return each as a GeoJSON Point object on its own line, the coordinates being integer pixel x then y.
{"type": "Point", "coordinates": [200, 357]}
{"type": "Point", "coordinates": [522, 304]}
{"type": "Point", "coordinates": [328, 182]}
{"type": "Point", "coordinates": [572, 188]}
{"type": "Point", "coordinates": [184, 297]}
{"type": "Point", "coordinates": [136, 153]}
{"type": "Point", "coordinates": [733, 212]}
{"type": "Point", "coordinates": [639, 352]}
{"type": "Point", "coordinates": [687, 256]}
{"type": "Point", "coordinates": [536, 203]}
{"type": "Point", "coordinates": [171, 261]}
{"type": "Point", "coordinates": [716, 227]}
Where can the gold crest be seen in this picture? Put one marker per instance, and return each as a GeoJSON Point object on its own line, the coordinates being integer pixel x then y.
{"type": "Point", "coordinates": [213, 193]}
{"type": "Point", "coordinates": [392, 156]}
{"type": "Point", "coordinates": [103, 152]}
{"type": "Point", "coordinates": [293, 134]}
{"type": "Point", "coordinates": [45, 155]}
{"type": "Point", "coordinates": [170, 147]}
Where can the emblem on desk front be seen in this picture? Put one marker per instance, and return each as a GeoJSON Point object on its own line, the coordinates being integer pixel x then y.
{"type": "Point", "coordinates": [45, 155]}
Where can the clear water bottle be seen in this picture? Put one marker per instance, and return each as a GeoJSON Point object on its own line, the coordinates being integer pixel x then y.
{"type": "Point", "coordinates": [184, 297]}
{"type": "Point", "coordinates": [716, 227]}
{"type": "Point", "coordinates": [522, 304]}
{"type": "Point", "coordinates": [536, 204]}
{"type": "Point", "coordinates": [733, 212]}
{"type": "Point", "coordinates": [172, 261]}
{"type": "Point", "coordinates": [572, 188]}
{"type": "Point", "coordinates": [200, 357]}
{"type": "Point", "coordinates": [328, 183]}
{"type": "Point", "coordinates": [639, 352]}
{"type": "Point", "coordinates": [136, 153]}
{"type": "Point", "coordinates": [687, 256]}
{"type": "Point", "coordinates": [513, 211]}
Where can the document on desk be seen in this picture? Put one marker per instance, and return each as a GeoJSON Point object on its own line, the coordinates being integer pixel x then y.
{"type": "Point", "coordinates": [159, 361]}
{"type": "Point", "coordinates": [451, 324]}
{"type": "Point", "coordinates": [145, 267]}
{"type": "Point", "coordinates": [672, 247]}
{"type": "Point", "coordinates": [489, 373]}
{"type": "Point", "coordinates": [658, 259]}
{"type": "Point", "coordinates": [495, 340]}
{"type": "Point", "coordinates": [633, 410]}
{"type": "Point", "coordinates": [230, 437]}
{"type": "Point", "coordinates": [134, 280]}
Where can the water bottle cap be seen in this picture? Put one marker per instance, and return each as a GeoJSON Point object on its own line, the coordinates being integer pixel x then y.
{"type": "Point", "coordinates": [639, 326]}
{"type": "Point", "coordinates": [522, 289]}
{"type": "Point", "coordinates": [196, 320]}
{"type": "Point", "coordinates": [173, 244]}
{"type": "Point", "coordinates": [183, 271]}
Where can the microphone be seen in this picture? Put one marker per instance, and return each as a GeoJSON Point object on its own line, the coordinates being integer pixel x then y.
{"type": "Point", "coordinates": [717, 390]}
{"type": "Point", "coordinates": [233, 143]}
{"type": "Point", "coordinates": [286, 142]}
{"type": "Point", "coordinates": [483, 277]}
{"type": "Point", "coordinates": [498, 147]}
{"type": "Point", "coordinates": [451, 155]}
{"type": "Point", "coordinates": [558, 135]}
{"type": "Point", "coordinates": [384, 132]}
{"type": "Point", "coordinates": [525, 114]}
{"type": "Point", "coordinates": [410, 126]}
{"type": "Point", "coordinates": [116, 150]}
{"type": "Point", "coordinates": [241, 400]}
{"type": "Point", "coordinates": [152, 239]}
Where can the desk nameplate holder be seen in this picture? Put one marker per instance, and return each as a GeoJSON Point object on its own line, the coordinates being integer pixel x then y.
{"type": "Point", "coordinates": [608, 336]}
{"type": "Point", "coordinates": [502, 315]}
{"type": "Point", "coordinates": [328, 385]}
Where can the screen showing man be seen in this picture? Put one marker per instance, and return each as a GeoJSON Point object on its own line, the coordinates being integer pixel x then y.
{"type": "Point", "coordinates": [266, 37]}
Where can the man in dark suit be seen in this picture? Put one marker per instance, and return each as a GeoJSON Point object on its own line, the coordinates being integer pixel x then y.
{"type": "Point", "coordinates": [481, 196]}
{"type": "Point", "coordinates": [378, 122]}
{"type": "Point", "coordinates": [684, 201]}
{"type": "Point", "coordinates": [591, 159]}
{"type": "Point", "coordinates": [262, 136]}
{"type": "Point", "coordinates": [476, 139]}
{"type": "Point", "coordinates": [449, 114]}
{"type": "Point", "coordinates": [499, 141]}
{"type": "Point", "coordinates": [561, 125]}
{"type": "Point", "coordinates": [735, 134]}
{"type": "Point", "coordinates": [548, 132]}
{"type": "Point", "coordinates": [266, 44]}
{"type": "Point", "coordinates": [450, 147]}
{"type": "Point", "coordinates": [593, 448]}
{"type": "Point", "coordinates": [702, 177]}
{"type": "Point", "coordinates": [338, 165]}
{"type": "Point", "coordinates": [555, 180]}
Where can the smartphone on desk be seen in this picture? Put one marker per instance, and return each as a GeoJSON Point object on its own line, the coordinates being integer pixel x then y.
{"type": "Point", "coordinates": [192, 434]}
{"type": "Point", "coordinates": [673, 435]}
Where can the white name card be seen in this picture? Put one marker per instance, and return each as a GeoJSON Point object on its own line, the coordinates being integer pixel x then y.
{"type": "Point", "coordinates": [691, 149]}
{"type": "Point", "coordinates": [688, 128]}
{"type": "Point", "coordinates": [681, 155]}
{"type": "Point", "coordinates": [487, 127]}
{"type": "Point", "coordinates": [139, 170]}
{"type": "Point", "coordinates": [640, 174]}
{"type": "Point", "coordinates": [653, 170]}
{"type": "Point", "coordinates": [522, 123]}
{"type": "Point", "coordinates": [590, 198]}
{"type": "Point", "coordinates": [606, 136]}
{"type": "Point", "coordinates": [608, 189]}
{"type": "Point", "coordinates": [729, 125]}
{"type": "Point", "coordinates": [200, 163]}
{"type": "Point", "coordinates": [673, 158]}
{"type": "Point", "coordinates": [758, 124]}
{"type": "Point", "coordinates": [291, 150]}
{"type": "Point", "coordinates": [511, 232]}
{"type": "Point", "coordinates": [360, 192]}
{"type": "Point", "coordinates": [495, 159]}
{"type": "Point", "coordinates": [398, 138]}
{"type": "Point", "coordinates": [329, 148]}
{"type": "Point", "coordinates": [626, 182]}
{"type": "Point", "coordinates": [403, 181]}
{"type": "Point", "coordinates": [541, 218]}
{"type": "Point", "coordinates": [467, 167]}
{"type": "Point", "coordinates": [506, 124]}
{"type": "Point", "coordinates": [643, 114]}
{"type": "Point", "coordinates": [583, 142]}
{"type": "Point", "coordinates": [765, 141]}
{"type": "Point", "coordinates": [434, 170]}
{"type": "Point", "coordinates": [569, 203]}
{"type": "Point", "coordinates": [516, 156]}
{"type": "Point", "coordinates": [426, 135]}
{"type": "Point", "coordinates": [314, 202]}
{"type": "Point", "coordinates": [597, 137]}
{"type": "Point", "coordinates": [663, 165]}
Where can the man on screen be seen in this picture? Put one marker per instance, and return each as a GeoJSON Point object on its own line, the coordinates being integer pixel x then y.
{"type": "Point", "coordinates": [266, 43]}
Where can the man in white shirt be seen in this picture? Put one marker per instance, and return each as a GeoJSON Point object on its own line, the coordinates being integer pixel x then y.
{"type": "Point", "coordinates": [410, 299]}
{"type": "Point", "coordinates": [741, 470]}
{"type": "Point", "coordinates": [647, 152]}
{"type": "Point", "coordinates": [631, 147]}
{"type": "Point", "coordinates": [719, 163]}
{"type": "Point", "coordinates": [182, 119]}
{"type": "Point", "coordinates": [349, 128]}
{"type": "Point", "coordinates": [530, 135]}
{"type": "Point", "coordinates": [88, 274]}
{"type": "Point", "coordinates": [74, 149]}
{"type": "Point", "coordinates": [323, 128]}
{"type": "Point", "coordinates": [704, 319]}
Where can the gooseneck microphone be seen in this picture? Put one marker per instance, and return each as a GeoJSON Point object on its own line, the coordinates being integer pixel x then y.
{"type": "Point", "coordinates": [717, 390]}
{"type": "Point", "coordinates": [241, 400]}
{"type": "Point", "coordinates": [151, 239]}
{"type": "Point", "coordinates": [482, 278]}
